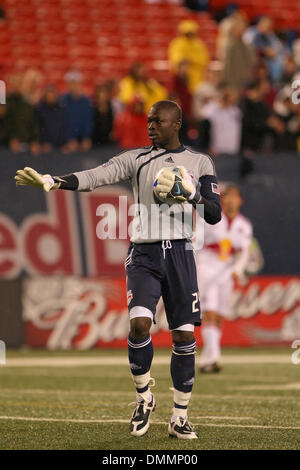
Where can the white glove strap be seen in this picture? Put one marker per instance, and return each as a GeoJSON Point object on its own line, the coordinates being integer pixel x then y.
{"type": "Point", "coordinates": [192, 194]}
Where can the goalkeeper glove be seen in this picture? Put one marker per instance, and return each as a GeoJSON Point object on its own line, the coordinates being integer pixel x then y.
{"type": "Point", "coordinates": [180, 188]}
{"type": "Point", "coordinates": [30, 177]}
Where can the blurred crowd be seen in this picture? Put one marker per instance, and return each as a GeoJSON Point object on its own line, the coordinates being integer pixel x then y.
{"type": "Point", "coordinates": [238, 102]}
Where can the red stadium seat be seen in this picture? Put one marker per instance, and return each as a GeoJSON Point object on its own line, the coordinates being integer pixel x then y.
{"type": "Point", "coordinates": [103, 37]}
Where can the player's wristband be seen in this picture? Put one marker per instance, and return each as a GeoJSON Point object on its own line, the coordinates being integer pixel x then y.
{"type": "Point", "coordinates": [196, 199]}
{"type": "Point", "coordinates": [69, 182]}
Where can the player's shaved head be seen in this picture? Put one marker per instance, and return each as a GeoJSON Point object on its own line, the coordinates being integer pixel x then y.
{"type": "Point", "coordinates": [170, 106]}
{"type": "Point", "coordinates": [164, 122]}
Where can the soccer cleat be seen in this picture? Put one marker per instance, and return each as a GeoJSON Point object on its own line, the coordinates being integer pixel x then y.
{"type": "Point", "coordinates": [140, 419]}
{"type": "Point", "coordinates": [210, 368]}
{"type": "Point", "coordinates": [182, 429]}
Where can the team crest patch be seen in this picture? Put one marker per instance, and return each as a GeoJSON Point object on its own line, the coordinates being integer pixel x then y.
{"type": "Point", "coordinates": [129, 296]}
{"type": "Point", "coordinates": [191, 174]}
{"type": "Point", "coordinates": [215, 188]}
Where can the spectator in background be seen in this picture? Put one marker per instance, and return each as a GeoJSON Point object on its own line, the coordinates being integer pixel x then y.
{"type": "Point", "coordinates": [179, 87]}
{"type": "Point", "coordinates": [251, 32]}
{"type": "Point", "coordinates": [52, 118]}
{"type": "Point", "coordinates": [188, 47]}
{"type": "Point", "coordinates": [225, 122]}
{"type": "Point", "coordinates": [258, 124]}
{"type": "Point", "coordinates": [208, 89]}
{"type": "Point", "coordinates": [79, 115]}
{"type": "Point", "coordinates": [130, 126]}
{"type": "Point", "coordinates": [261, 73]}
{"type": "Point", "coordinates": [269, 48]}
{"type": "Point", "coordinates": [32, 86]}
{"type": "Point", "coordinates": [103, 116]}
{"type": "Point", "coordinates": [180, 93]}
{"type": "Point", "coordinates": [137, 83]}
{"type": "Point", "coordinates": [112, 86]}
{"type": "Point", "coordinates": [20, 120]}
{"type": "Point", "coordinates": [239, 57]}
{"type": "Point", "coordinates": [232, 14]}
{"type": "Point", "coordinates": [206, 92]}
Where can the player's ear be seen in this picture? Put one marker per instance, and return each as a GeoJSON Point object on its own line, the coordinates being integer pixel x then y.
{"type": "Point", "coordinates": [177, 124]}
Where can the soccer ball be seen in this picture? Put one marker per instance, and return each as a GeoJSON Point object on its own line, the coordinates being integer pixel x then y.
{"type": "Point", "coordinates": [177, 177]}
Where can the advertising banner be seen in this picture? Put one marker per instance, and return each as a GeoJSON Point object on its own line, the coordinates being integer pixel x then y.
{"type": "Point", "coordinates": [82, 313]}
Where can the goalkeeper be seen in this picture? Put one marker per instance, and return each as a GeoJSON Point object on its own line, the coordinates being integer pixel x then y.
{"type": "Point", "coordinates": [156, 265]}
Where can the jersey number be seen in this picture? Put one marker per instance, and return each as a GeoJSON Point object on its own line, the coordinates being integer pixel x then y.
{"type": "Point", "coordinates": [194, 308]}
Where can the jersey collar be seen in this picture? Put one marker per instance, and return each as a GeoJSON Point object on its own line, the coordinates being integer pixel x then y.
{"type": "Point", "coordinates": [229, 221]}
{"type": "Point", "coordinates": [178, 150]}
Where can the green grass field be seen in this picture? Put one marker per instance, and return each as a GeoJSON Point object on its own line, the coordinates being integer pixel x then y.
{"type": "Point", "coordinates": [78, 400]}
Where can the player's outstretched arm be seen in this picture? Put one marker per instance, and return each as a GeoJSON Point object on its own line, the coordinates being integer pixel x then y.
{"type": "Point", "coordinates": [30, 177]}
{"type": "Point", "coordinates": [118, 168]}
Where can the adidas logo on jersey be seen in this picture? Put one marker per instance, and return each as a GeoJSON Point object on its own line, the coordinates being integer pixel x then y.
{"type": "Point", "coordinates": [170, 160]}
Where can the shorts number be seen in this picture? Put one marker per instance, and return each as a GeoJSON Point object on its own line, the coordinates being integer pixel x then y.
{"type": "Point", "coordinates": [194, 308]}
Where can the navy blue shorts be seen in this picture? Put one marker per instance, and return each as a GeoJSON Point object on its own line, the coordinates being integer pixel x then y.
{"type": "Point", "coordinates": [153, 271]}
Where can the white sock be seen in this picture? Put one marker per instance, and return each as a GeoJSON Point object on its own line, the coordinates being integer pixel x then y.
{"type": "Point", "coordinates": [147, 395]}
{"type": "Point", "coordinates": [211, 351]}
{"type": "Point", "coordinates": [182, 399]}
{"type": "Point", "coordinates": [141, 381]}
{"type": "Point", "coordinates": [178, 412]}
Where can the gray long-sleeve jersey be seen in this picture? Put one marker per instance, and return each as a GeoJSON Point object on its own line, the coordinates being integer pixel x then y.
{"type": "Point", "coordinates": [152, 221]}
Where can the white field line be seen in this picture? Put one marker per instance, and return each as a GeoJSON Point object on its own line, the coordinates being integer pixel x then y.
{"type": "Point", "coordinates": [290, 386]}
{"type": "Point", "coordinates": [111, 421]}
{"type": "Point", "coordinates": [63, 361]}
{"type": "Point", "coordinates": [101, 393]}
{"type": "Point", "coordinates": [238, 418]}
